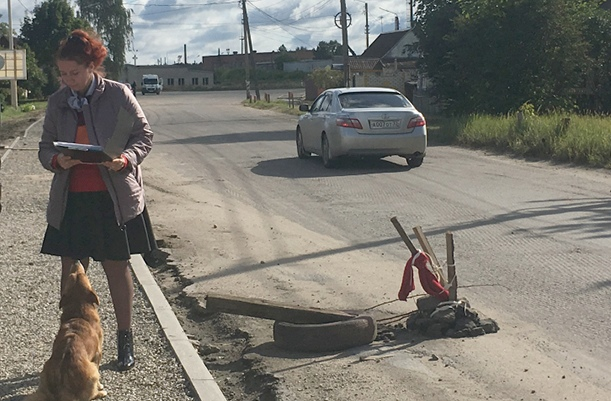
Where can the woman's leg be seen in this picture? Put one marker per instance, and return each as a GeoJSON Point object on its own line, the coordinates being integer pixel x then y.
{"type": "Point", "coordinates": [121, 288]}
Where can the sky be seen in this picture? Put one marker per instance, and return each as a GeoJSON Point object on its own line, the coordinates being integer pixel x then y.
{"type": "Point", "coordinates": [162, 28]}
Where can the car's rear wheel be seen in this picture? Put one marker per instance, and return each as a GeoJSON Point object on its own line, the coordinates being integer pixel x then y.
{"type": "Point", "coordinates": [327, 159]}
{"type": "Point", "coordinates": [414, 161]}
{"type": "Point", "coordinates": [301, 152]}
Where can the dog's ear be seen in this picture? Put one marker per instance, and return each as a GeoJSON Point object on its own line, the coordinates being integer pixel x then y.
{"type": "Point", "coordinates": [92, 297]}
{"type": "Point", "coordinates": [63, 301]}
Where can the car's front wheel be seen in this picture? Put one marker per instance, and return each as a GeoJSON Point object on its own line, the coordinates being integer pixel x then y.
{"type": "Point", "coordinates": [301, 152]}
{"type": "Point", "coordinates": [327, 159]}
{"type": "Point", "coordinates": [414, 161]}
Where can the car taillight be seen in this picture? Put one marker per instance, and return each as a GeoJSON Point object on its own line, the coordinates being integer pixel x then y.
{"type": "Point", "coordinates": [349, 123]}
{"type": "Point", "coordinates": [416, 122]}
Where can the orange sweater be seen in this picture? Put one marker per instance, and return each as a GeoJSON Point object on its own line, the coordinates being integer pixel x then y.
{"type": "Point", "coordinates": [85, 177]}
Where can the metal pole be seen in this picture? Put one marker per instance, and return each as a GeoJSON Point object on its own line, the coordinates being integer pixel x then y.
{"type": "Point", "coordinates": [366, 26]}
{"type": "Point", "coordinates": [345, 43]}
{"type": "Point", "coordinates": [246, 50]}
{"type": "Point", "coordinates": [11, 46]}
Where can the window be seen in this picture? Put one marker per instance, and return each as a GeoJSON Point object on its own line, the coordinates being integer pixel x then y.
{"type": "Point", "coordinates": [181, 81]}
{"type": "Point", "coordinates": [194, 81]}
{"type": "Point", "coordinates": [357, 100]}
{"type": "Point", "coordinates": [205, 81]}
{"type": "Point", "coordinates": [170, 81]}
{"type": "Point", "coordinates": [317, 103]}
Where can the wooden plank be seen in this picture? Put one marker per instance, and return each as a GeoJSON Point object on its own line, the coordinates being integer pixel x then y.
{"type": "Point", "coordinates": [403, 235]}
{"type": "Point", "coordinates": [265, 309]}
{"type": "Point", "coordinates": [452, 279]}
{"type": "Point", "coordinates": [426, 246]}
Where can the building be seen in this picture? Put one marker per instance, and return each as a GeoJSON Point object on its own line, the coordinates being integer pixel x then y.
{"type": "Point", "coordinates": [176, 77]}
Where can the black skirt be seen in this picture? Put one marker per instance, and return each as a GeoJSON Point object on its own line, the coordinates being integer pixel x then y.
{"type": "Point", "coordinates": [90, 229]}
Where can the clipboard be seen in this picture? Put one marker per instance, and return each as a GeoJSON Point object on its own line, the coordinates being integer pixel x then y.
{"type": "Point", "coordinates": [97, 154]}
{"type": "Point", "coordinates": [84, 153]}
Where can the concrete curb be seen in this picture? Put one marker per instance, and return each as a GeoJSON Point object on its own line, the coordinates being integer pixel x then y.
{"type": "Point", "coordinates": [204, 385]}
{"type": "Point", "coordinates": [195, 369]}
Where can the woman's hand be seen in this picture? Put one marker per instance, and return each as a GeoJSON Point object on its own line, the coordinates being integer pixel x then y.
{"type": "Point", "coordinates": [115, 165]}
{"type": "Point", "coordinates": [66, 162]}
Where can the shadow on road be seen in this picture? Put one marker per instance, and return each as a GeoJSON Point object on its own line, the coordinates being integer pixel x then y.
{"type": "Point", "coordinates": [312, 167]}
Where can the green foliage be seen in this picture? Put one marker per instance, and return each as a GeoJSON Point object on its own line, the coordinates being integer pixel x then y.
{"type": "Point", "coordinates": [556, 136]}
{"type": "Point", "coordinates": [283, 57]}
{"type": "Point", "coordinates": [326, 50]}
{"type": "Point", "coordinates": [113, 22]}
{"type": "Point", "coordinates": [326, 78]}
{"type": "Point", "coordinates": [51, 21]}
{"type": "Point", "coordinates": [37, 79]}
{"type": "Point", "coordinates": [490, 56]}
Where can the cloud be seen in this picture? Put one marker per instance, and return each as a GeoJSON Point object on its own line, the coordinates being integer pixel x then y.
{"type": "Point", "coordinates": [163, 27]}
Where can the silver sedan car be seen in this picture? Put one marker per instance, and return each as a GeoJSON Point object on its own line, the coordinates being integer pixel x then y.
{"type": "Point", "coordinates": [361, 121]}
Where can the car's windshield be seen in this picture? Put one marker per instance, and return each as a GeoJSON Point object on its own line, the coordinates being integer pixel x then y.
{"type": "Point", "coordinates": [361, 100]}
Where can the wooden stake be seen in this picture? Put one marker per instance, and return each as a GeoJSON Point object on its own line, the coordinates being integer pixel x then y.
{"type": "Point", "coordinates": [403, 235]}
{"type": "Point", "coordinates": [426, 246]}
{"type": "Point", "coordinates": [451, 267]}
{"type": "Point", "coordinates": [264, 309]}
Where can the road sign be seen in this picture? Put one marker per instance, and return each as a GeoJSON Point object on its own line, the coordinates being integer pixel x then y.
{"type": "Point", "coordinates": [13, 64]}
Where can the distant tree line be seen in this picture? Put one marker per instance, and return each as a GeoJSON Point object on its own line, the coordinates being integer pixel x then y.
{"type": "Point", "coordinates": [52, 21]}
{"type": "Point", "coordinates": [492, 56]}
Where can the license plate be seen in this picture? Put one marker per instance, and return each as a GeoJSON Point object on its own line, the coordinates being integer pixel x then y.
{"type": "Point", "coordinates": [384, 124]}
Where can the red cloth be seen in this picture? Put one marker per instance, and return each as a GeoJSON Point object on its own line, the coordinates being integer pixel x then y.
{"type": "Point", "coordinates": [85, 177]}
{"type": "Point", "coordinates": [429, 282]}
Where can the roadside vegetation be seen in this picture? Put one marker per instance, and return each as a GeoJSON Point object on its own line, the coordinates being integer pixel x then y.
{"type": "Point", "coordinates": [561, 137]}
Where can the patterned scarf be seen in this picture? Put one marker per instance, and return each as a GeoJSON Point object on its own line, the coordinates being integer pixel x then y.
{"type": "Point", "coordinates": [76, 102]}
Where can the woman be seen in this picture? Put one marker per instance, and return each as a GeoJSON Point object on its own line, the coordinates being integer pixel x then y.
{"type": "Point", "coordinates": [96, 210]}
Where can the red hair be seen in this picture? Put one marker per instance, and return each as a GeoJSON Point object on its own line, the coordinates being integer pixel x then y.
{"type": "Point", "coordinates": [83, 48]}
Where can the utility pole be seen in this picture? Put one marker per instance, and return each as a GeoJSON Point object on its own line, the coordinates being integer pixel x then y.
{"type": "Point", "coordinates": [366, 26]}
{"type": "Point", "coordinates": [14, 102]}
{"type": "Point", "coordinates": [249, 52]}
{"type": "Point", "coordinates": [345, 43]}
{"type": "Point", "coordinates": [245, 52]}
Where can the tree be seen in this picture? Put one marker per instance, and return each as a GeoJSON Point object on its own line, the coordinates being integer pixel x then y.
{"type": "Point", "coordinates": [37, 79]}
{"type": "Point", "coordinates": [597, 30]}
{"type": "Point", "coordinates": [493, 56]}
{"type": "Point", "coordinates": [113, 23]}
{"type": "Point", "coordinates": [52, 21]}
{"type": "Point", "coordinates": [283, 57]}
{"type": "Point", "coordinates": [326, 50]}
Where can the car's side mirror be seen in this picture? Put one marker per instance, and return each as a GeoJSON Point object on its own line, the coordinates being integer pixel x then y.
{"type": "Point", "coordinates": [304, 107]}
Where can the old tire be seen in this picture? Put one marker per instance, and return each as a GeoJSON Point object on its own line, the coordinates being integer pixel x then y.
{"type": "Point", "coordinates": [324, 337]}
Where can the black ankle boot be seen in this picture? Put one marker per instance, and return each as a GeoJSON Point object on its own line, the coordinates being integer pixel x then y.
{"type": "Point", "coordinates": [125, 348]}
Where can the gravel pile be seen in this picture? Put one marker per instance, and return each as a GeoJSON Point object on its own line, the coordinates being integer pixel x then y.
{"type": "Point", "coordinates": [29, 299]}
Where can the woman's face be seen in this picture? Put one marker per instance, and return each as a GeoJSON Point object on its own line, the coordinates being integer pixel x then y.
{"type": "Point", "coordinates": [77, 76]}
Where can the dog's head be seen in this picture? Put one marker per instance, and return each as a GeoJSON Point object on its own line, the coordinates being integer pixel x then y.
{"type": "Point", "coordinates": [77, 288]}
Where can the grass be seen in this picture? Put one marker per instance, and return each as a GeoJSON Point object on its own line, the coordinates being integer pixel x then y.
{"type": "Point", "coordinates": [578, 139]}
{"type": "Point", "coordinates": [23, 111]}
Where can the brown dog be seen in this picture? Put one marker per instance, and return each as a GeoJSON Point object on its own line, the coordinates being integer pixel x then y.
{"type": "Point", "coordinates": [72, 372]}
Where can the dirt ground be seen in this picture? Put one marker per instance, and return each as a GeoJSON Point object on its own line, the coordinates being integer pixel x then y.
{"type": "Point", "coordinates": [517, 363]}
{"type": "Point", "coordinates": [195, 228]}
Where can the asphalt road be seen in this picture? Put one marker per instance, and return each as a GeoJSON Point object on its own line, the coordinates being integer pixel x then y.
{"type": "Point", "coordinates": [532, 238]}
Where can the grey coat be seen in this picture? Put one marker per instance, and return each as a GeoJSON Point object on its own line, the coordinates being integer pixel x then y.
{"type": "Point", "coordinates": [60, 124]}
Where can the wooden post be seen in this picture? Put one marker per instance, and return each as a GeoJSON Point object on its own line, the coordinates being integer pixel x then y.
{"type": "Point", "coordinates": [426, 246]}
{"type": "Point", "coordinates": [261, 308]}
{"type": "Point", "coordinates": [451, 267]}
{"type": "Point", "coordinates": [404, 236]}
